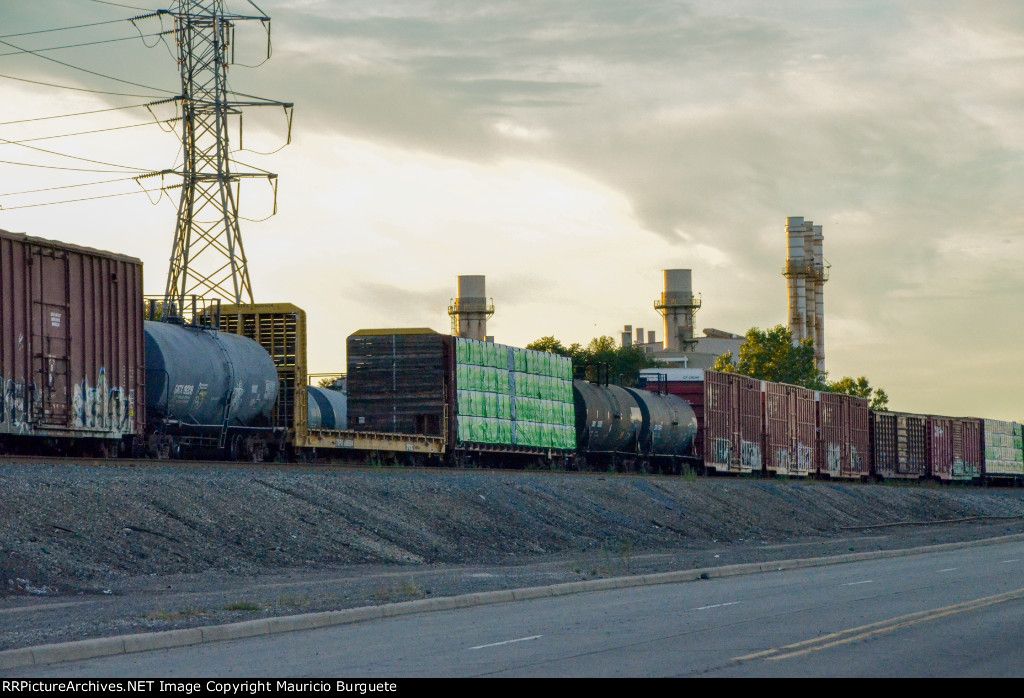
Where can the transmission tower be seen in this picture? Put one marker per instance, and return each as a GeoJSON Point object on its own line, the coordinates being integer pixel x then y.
{"type": "Point", "coordinates": [208, 258]}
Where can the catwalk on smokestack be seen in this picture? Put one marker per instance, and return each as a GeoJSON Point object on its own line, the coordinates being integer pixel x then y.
{"type": "Point", "coordinates": [470, 311]}
{"type": "Point", "coordinates": [678, 306]}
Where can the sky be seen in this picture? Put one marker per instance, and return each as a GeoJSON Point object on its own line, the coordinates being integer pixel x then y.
{"type": "Point", "coordinates": [570, 151]}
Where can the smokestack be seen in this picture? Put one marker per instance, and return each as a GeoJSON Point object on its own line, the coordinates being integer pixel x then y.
{"type": "Point", "coordinates": [627, 335]}
{"type": "Point", "coordinates": [470, 311]}
{"type": "Point", "coordinates": [806, 274]}
{"type": "Point", "coordinates": [678, 306]}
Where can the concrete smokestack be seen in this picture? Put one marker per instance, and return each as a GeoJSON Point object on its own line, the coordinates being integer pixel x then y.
{"type": "Point", "coordinates": [678, 306]}
{"type": "Point", "coordinates": [470, 311]}
{"type": "Point", "coordinates": [806, 274]}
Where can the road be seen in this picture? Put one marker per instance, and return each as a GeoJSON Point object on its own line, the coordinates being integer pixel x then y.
{"type": "Point", "coordinates": [953, 613]}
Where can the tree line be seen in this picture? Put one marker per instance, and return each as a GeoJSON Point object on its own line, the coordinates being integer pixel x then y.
{"type": "Point", "coordinates": [765, 354]}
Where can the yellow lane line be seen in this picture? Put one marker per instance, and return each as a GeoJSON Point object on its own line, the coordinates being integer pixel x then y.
{"type": "Point", "coordinates": [880, 627]}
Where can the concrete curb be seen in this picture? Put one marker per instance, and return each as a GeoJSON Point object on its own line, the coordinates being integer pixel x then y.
{"type": "Point", "coordinates": [143, 642]}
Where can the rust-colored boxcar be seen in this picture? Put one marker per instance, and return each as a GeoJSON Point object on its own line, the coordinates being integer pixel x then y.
{"type": "Point", "coordinates": [790, 429]}
{"type": "Point", "coordinates": [844, 444]}
{"type": "Point", "coordinates": [899, 445]}
{"type": "Point", "coordinates": [730, 420]}
{"type": "Point", "coordinates": [954, 448]}
{"type": "Point", "coordinates": [71, 356]}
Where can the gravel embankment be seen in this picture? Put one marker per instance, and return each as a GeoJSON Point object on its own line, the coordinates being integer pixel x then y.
{"type": "Point", "coordinates": [105, 550]}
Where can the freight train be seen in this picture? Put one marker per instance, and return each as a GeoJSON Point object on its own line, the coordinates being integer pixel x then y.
{"type": "Point", "coordinates": [83, 371]}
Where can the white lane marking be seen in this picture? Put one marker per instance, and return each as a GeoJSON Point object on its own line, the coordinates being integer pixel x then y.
{"type": "Point", "coordinates": [717, 605]}
{"type": "Point", "coordinates": [1005, 562]}
{"type": "Point", "coordinates": [851, 584]}
{"type": "Point", "coordinates": [949, 569]}
{"type": "Point", "coordinates": [506, 642]}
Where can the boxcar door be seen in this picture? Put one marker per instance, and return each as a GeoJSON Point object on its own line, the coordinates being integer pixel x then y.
{"type": "Point", "coordinates": [50, 338]}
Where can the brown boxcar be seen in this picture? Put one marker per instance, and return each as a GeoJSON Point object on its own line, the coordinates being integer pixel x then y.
{"type": "Point", "coordinates": [954, 448]}
{"type": "Point", "coordinates": [71, 342]}
{"type": "Point", "coordinates": [790, 429]}
{"type": "Point", "coordinates": [730, 420]}
{"type": "Point", "coordinates": [899, 445]}
{"type": "Point", "coordinates": [844, 444]}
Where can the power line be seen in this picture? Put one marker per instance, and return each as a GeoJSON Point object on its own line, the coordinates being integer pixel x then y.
{"type": "Point", "coordinates": [85, 133]}
{"type": "Point", "coordinates": [80, 89]}
{"type": "Point", "coordinates": [88, 43]}
{"type": "Point", "coordinates": [84, 70]}
{"type": "Point", "coordinates": [93, 198]}
{"type": "Point", "coordinates": [86, 113]}
{"type": "Point", "coordinates": [71, 169]}
{"type": "Point", "coordinates": [74, 157]}
{"type": "Point", "coordinates": [93, 24]}
{"type": "Point", "coordinates": [69, 186]}
{"type": "Point", "coordinates": [117, 4]}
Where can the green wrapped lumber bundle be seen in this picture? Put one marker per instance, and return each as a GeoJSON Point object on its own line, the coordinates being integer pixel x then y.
{"type": "Point", "coordinates": [513, 397]}
{"type": "Point", "coordinates": [1004, 451]}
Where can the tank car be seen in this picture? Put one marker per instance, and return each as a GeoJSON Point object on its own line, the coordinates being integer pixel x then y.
{"type": "Point", "coordinates": [629, 429]}
{"type": "Point", "coordinates": [208, 391]}
{"type": "Point", "coordinates": [327, 409]}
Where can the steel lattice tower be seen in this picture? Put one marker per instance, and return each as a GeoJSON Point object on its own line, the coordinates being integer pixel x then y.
{"type": "Point", "coordinates": [208, 258]}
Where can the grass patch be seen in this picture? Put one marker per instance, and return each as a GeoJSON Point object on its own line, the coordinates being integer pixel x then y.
{"type": "Point", "coordinates": [294, 601]}
{"type": "Point", "coordinates": [242, 606]}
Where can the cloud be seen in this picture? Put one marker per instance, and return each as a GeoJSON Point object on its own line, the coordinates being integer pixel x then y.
{"type": "Point", "coordinates": [571, 151]}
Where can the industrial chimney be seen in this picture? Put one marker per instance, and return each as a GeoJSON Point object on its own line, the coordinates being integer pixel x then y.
{"type": "Point", "coordinates": [678, 306]}
{"type": "Point", "coordinates": [806, 273]}
{"type": "Point", "coordinates": [470, 311]}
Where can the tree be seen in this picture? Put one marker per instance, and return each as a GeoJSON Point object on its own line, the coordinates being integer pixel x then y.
{"type": "Point", "coordinates": [771, 355]}
{"type": "Point", "coordinates": [861, 388]}
{"type": "Point", "coordinates": [623, 363]}
{"type": "Point", "coordinates": [329, 382]}
{"type": "Point", "coordinates": [548, 344]}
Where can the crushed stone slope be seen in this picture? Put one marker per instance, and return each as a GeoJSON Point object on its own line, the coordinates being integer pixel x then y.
{"type": "Point", "coordinates": [66, 529]}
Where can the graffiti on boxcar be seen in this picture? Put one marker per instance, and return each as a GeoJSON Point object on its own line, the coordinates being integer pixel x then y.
{"type": "Point", "coordinates": [750, 454]}
{"type": "Point", "coordinates": [721, 451]}
{"type": "Point", "coordinates": [857, 461]}
{"type": "Point", "coordinates": [834, 459]}
{"type": "Point", "coordinates": [102, 407]}
{"type": "Point", "coordinates": [14, 405]}
{"type": "Point", "coordinates": [782, 460]}
{"type": "Point", "coordinates": [804, 458]}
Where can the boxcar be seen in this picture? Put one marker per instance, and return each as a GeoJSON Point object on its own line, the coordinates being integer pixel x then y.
{"type": "Point", "coordinates": [71, 345]}
{"type": "Point", "coordinates": [844, 445]}
{"type": "Point", "coordinates": [790, 429]}
{"type": "Point", "coordinates": [954, 448]}
{"type": "Point", "coordinates": [899, 445]}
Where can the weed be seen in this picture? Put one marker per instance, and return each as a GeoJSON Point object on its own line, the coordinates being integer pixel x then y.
{"type": "Point", "coordinates": [294, 601]}
{"type": "Point", "coordinates": [404, 591]}
{"type": "Point", "coordinates": [410, 589]}
{"type": "Point", "coordinates": [242, 606]}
